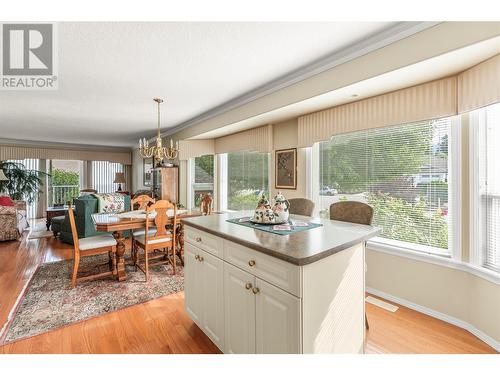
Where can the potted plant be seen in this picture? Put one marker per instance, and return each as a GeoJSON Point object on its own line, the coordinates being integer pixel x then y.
{"type": "Point", "coordinates": [22, 183]}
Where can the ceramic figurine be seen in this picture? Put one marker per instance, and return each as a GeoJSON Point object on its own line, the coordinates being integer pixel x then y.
{"type": "Point", "coordinates": [263, 213]}
{"type": "Point", "coordinates": [281, 208]}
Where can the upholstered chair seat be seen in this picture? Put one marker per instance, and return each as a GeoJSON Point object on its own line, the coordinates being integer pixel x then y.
{"type": "Point", "coordinates": [96, 242]}
{"type": "Point", "coordinates": [142, 231]}
{"type": "Point", "coordinates": [142, 239]}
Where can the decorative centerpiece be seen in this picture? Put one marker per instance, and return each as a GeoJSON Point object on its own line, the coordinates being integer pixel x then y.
{"type": "Point", "coordinates": [281, 208]}
{"type": "Point", "coordinates": [279, 214]}
{"type": "Point", "coordinates": [263, 213]}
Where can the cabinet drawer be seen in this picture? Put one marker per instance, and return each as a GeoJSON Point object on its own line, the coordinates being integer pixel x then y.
{"type": "Point", "coordinates": [275, 271]}
{"type": "Point", "coordinates": [204, 241]}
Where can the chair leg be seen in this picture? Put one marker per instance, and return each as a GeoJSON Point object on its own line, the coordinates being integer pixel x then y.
{"type": "Point", "coordinates": [146, 265]}
{"type": "Point", "coordinates": [173, 255]}
{"type": "Point", "coordinates": [76, 264]}
{"type": "Point", "coordinates": [134, 254]}
{"type": "Point", "coordinates": [366, 322]}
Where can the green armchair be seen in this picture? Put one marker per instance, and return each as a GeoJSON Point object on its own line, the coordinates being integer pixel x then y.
{"type": "Point", "coordinates": [85, 206]}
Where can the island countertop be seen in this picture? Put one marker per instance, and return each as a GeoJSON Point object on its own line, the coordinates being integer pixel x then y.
{"type": "Point", "coordinates": [299, 248]}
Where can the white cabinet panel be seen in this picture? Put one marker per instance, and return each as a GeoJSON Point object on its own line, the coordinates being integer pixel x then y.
{"type": "Point", "coordinates": [192, 290]}
{"type": "Point", "coordinates": [212, 286]}
{"type": "Point", "coordinates": [276, 271]}
{"type": "Point", "coordinates": [239, 311]}
{"type": "Point", "coordinates": [277, 320]}
{"type": "Point", "coordinates": [204, 241]}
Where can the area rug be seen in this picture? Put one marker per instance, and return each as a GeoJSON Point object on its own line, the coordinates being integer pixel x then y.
{"type": "Point", "coordinates": [50, 303]}
{"type": "Point", "coordinates": [40, 234]}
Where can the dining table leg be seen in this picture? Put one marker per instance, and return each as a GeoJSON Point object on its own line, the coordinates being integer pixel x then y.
{"type": "Point", "coordinates": [120, 251]}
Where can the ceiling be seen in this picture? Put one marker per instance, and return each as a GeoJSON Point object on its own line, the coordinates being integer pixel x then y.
{"type": "Point", "coordinates": [438, 67]}
{"type": "Point", "coordinates": [109, 73]}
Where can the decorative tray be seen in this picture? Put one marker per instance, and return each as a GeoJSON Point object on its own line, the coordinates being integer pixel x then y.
{"type": "Point", "coordinates": [274, 223]}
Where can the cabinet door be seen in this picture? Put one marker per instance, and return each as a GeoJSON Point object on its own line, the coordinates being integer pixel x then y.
{"type": "Point", "coordinates": [212, 281]}
{"type": "Point", "coordinates": [170, 184]}
{"type": "Point", "coordinates": [239, 311]}
{"type": "Point", "coordinates": [277, 320]}
{"type": "Point", "coordinates": [192, 281]}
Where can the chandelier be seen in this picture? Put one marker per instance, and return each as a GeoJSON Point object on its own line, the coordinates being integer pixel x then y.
{"type": "Point", "coordinates": [158, 152]}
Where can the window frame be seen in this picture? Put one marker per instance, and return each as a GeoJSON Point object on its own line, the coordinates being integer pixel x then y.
{"type": "Point", "coordinates": [222, 180]}
{"type": "Point", "coordinates": [477, 252]}
{"type": "Point", "coordinates": [454, 193]}
{"type": "Point", "coordinates": [192, 185]}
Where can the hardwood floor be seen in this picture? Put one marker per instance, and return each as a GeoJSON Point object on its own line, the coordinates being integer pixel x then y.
{"type": "Point", "coordinates": [162, 326]}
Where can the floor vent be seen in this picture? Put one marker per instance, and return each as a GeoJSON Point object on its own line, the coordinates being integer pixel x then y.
{"type": "Point", "coordinates": [382, 304]}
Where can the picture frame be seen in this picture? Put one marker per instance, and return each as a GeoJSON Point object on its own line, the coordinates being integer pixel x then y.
{"type": "Point", "coordinates": [285, 172]}
{"type": "Point", "coordinates": [147, 172]}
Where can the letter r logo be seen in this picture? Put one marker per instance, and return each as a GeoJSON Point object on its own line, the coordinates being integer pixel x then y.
{"type": "Point", "coordinates": [27, 49]}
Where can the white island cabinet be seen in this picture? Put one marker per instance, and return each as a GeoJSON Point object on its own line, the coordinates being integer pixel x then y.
{"type": "Point", "coordinates": [248, 300]}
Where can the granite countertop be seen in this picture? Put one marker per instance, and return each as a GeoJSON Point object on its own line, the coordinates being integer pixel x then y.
{"type": "Point", "coordinates": [298, 248]}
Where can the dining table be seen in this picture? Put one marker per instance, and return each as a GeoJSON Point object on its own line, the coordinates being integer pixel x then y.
{"type": "Point", "coordinates": [118, 223]}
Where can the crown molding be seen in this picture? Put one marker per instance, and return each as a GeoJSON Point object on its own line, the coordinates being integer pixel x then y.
{"type": "Point", "coordinates": [61, 145]}
{"type": "Point", "coordinates": [391, 35]}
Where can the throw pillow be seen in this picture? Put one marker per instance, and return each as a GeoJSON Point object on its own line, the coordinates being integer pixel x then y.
{"type": "Point", "coordinates": [6, 201]}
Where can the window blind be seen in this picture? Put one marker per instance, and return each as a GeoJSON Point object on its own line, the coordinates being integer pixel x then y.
{"type": "Point", "coordinates": [103, 175]}
{"type": "Point", "coordinates": [487, 125]}
{"type": "Point", "coordinates": [247, 179]}
{"type": "Point", "coordinates": [401, 171]}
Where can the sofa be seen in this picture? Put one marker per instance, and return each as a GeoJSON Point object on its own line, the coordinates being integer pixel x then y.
{"type": "Point", "coordinates": [85, 206]}
{"type": "Point", "coordinates": [13, 221]}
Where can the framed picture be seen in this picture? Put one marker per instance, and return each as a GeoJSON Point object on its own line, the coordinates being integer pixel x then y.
{"type": "Point", "coordinates": [148, 172]}
{"type": "Point", "coordinates": [285, 169]}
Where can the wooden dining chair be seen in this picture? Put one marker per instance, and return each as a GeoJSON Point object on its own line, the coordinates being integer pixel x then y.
{"type": "Point", "coordinates": [90, 246]}
{"type": "Point", "coordinates": [206, 204]}
{"type": "Point", "coordinates": [159, 246]}
{"type": "Point", "coordinates": [301, 206]}
{"type": "Point", "coordinates": [353, 212]}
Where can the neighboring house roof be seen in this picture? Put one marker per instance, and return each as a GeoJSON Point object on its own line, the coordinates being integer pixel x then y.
{"type": "Point", "coordinates": [436, 164]}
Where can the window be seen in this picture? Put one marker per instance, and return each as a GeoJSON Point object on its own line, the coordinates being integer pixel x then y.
{"type": "Point", "coordinates": [65, 179]}
{"type": "Point", "coordinates": [402, 171]}
{"type": "Point", "coordinates": [31, 207]}
{"type": "Point", "coordinates": [103, 175]}
{"type": "Point", "coordinates": [246, 178]}
{"type": "Point", "coordinates": [202, 178]}
{"type": "Point", "coordinates": [485, 187]}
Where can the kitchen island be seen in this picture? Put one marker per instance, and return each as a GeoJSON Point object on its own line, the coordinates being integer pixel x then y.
{"type": "Point", "coordinates": [252, 291]}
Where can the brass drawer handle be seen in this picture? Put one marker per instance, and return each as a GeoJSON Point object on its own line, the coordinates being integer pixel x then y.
{"type": "Point", "coordinates": [248, 286]}
{"type": "Point", "coordinates": [201, 259]}
{"type": "Point", "coordinates": [255, 290]}
{"type": "Point", "coordinates": [197, 257]}
{"type": "Point", "coordinates": [198, 239]}
{"type": "Point", "coordinates": [251, 263]}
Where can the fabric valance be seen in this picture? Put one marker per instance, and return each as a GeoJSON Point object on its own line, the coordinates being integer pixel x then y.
{"type": "Point", "coordinates": [422, 102]}
{"type": "Point", "coordinates": [257, 139]}
{"type": "Point", "coordinates": [480, 85]}
{"type": "Point", "coordinates": [18, 152]}
{"type": "Point", "coordinates": [196, 147]}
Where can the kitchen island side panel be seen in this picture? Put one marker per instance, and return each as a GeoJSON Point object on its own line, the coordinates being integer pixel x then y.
{"type": "Point", "coordinates": [333, 303]}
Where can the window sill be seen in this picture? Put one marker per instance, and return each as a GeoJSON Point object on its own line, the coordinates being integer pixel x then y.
{"type": "Point", "coordinates": [440, 260]}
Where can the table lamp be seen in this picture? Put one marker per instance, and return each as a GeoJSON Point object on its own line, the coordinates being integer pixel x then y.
{"type": "Point", "coordinates": [119, 179]}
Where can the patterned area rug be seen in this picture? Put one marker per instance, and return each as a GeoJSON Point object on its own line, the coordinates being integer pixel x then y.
{"type": "Point", "coordinates": [50, 303]}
